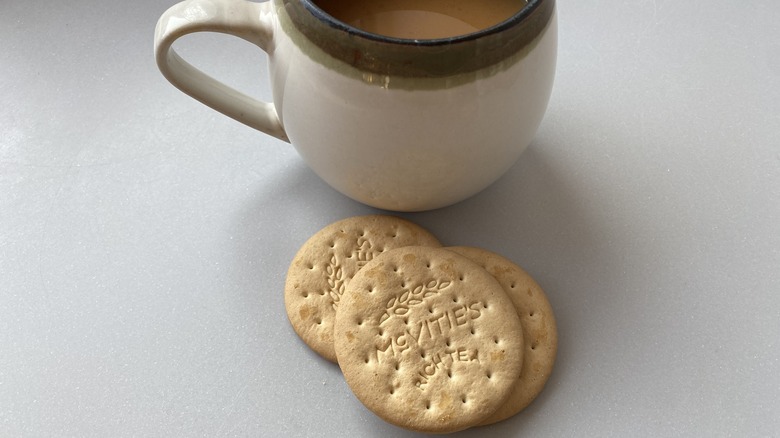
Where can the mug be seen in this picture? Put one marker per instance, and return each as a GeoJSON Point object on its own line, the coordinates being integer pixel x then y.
{"type": "Point", "coordinates": [398, 124]}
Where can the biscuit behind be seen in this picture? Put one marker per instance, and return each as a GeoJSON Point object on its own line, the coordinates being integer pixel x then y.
{"type": "Point", "coordinates": [324, 265]}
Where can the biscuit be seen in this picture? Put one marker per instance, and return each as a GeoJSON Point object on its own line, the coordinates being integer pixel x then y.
{"type": "Point", "coordinates": [539, 329]}
{"type": "Point", "coordinates": [428, 340]}
{"type": "Point", "coordinates": [324, 265]}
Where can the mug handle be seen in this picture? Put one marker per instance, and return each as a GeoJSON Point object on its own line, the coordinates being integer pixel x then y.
{"type": "Point", "coordinates": [249, 21]}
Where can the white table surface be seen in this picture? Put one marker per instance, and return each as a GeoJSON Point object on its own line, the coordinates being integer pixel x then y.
{"type": "Point", "coordinates": [144, 238]}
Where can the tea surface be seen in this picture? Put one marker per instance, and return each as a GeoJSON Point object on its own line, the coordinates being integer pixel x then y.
{"type": "Point", "coordinates": [421, 19]}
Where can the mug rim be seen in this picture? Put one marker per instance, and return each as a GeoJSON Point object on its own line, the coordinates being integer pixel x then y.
{"type": "Point", "coordinates": [337, 24]}
{"type": "Point", "coordinates": [343, 47]}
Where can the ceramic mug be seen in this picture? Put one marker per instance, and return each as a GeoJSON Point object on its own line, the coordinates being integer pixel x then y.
{"type": "Point", "coordinates": [398, 124]}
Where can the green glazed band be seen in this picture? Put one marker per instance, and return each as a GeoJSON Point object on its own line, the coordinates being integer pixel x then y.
{"type": "Point", "coordinates": [434, 58]}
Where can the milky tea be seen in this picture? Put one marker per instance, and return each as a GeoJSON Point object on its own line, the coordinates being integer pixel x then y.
{"type": "Point", "coordinates": [421, 19]}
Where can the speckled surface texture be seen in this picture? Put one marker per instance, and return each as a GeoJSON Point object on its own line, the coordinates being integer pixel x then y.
{"type": "Point", "coordinates": [144, 238]}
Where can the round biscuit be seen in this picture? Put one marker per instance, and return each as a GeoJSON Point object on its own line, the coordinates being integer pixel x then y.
{"type": "Point", "coordinates": [428, 340]}
{"type": "Point", "coordinates": [539, 329]}
{"type": "Point", "coordinates": [324, 265]}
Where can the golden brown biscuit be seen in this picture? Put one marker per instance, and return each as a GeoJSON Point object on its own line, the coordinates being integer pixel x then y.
{"type": "Point", "coordinates": [324, 265]}
{"type": "Point", "coordinates": [539, 329]}
{"type": "Point", "coordinates": [428, 340]}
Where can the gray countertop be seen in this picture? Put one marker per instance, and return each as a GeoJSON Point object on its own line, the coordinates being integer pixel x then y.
{"type": "Point", "coordinates": [144, 238]}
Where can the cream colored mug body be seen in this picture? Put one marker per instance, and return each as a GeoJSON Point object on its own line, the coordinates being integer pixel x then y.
{"type": "Point", "coordinates": [398, 124]}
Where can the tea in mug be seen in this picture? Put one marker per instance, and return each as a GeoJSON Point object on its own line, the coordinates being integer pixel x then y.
{"type": "Point", "coordinates": [421, 19]}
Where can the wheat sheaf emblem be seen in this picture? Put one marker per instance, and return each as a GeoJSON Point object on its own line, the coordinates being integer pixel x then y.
{"type": "Point", "coordinates": [335, 280]}
{"type": "Point", "coordinates": [399, 305]}
{"type": "Point", "coordinates": [363, 253]}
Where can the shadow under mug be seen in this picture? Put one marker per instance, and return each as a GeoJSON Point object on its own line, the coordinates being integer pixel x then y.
{"type": "Point", "coordinates": [397, 124]}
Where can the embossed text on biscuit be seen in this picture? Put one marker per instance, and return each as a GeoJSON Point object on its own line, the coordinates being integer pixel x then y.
{"type": "Point", "coordinates": [430, 337]}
